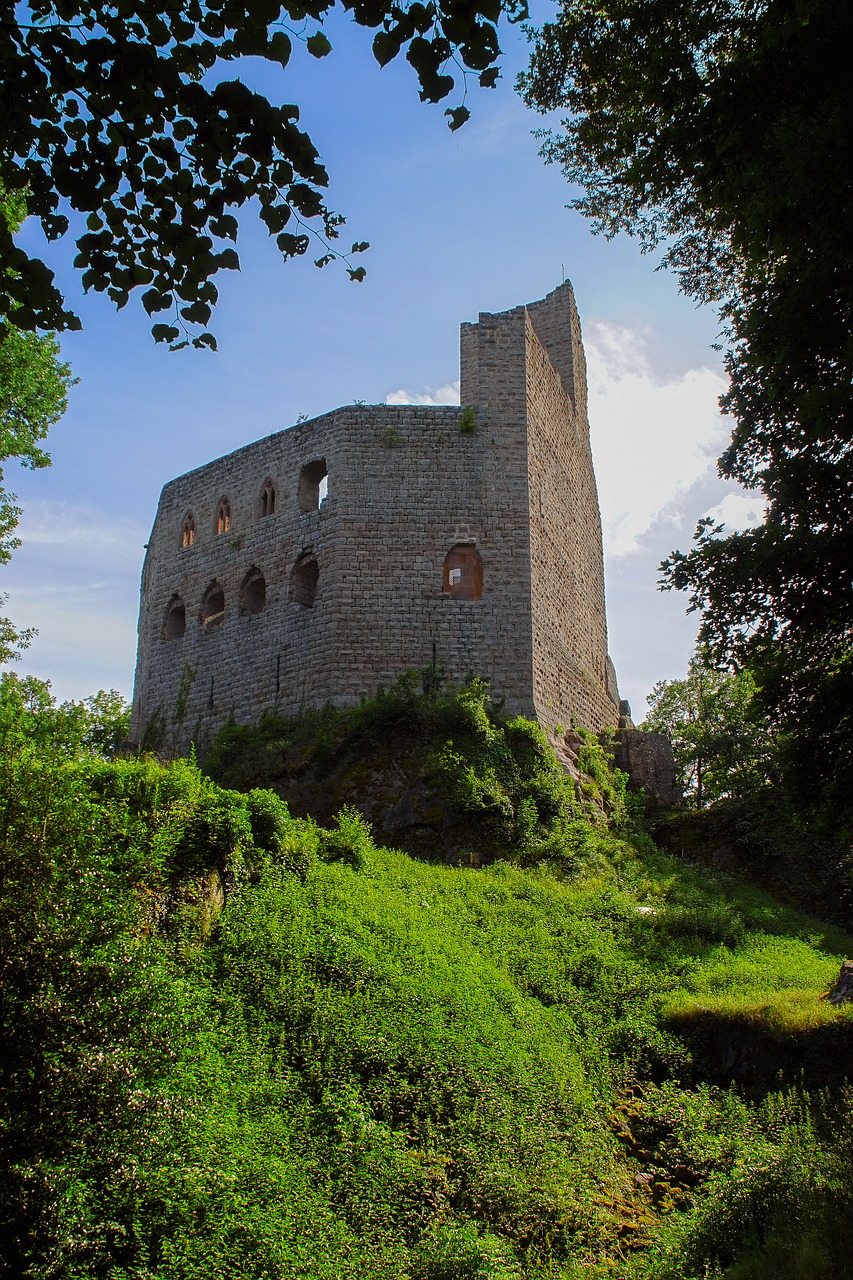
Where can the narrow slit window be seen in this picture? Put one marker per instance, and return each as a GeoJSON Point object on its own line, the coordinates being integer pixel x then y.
{"type": "Point", "coordinates": [268, 499]}
{"type": "Point", "coordinates": [188, 530]}
{"type": "Point", "coordinates": [463, 573]}
{"type": "Point", "coordinates": [223, 516]}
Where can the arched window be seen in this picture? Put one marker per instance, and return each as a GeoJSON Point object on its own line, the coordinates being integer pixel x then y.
{"type": "Point", "coordinates": [188, 530]}
{"type": "Point", "coordinates": [313, 485]}
{"type": "Point", "coordinates": [268, 499]}
{"type": "Point", "coordinates": [175, 623]}
{"type": "Point", "coordinates": [253, 592]}
{"type": "Point", "coordinates": [304, 580]}
{"type": "Point", "coordinates": [463, 572]}
{"type": "Point", "coordinates": [223, 516]}
{"type": "Point", "coordinates": [213, 606]}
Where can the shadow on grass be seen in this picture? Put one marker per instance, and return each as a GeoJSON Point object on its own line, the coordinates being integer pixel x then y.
{"type": "Point", "coordinates": [761, 1057]}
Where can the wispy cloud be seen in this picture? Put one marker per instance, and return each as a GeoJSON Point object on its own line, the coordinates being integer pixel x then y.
{"type": "Point", "coordinates": [448, 394]}
{"type": "Point", "coordinates": [75, 579]}
{"type": "Point", "coordinates": [83, 535]}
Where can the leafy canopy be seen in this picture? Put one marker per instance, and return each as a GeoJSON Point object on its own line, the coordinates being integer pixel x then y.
{"type": "Point", "coordinates": [125, 114]}
{"type": "Point", "coordinates": [720, 132]}
{"type": "Point", "coordinates": [721, 747]}
{"type": "Point", "coordinates": [33, 396]}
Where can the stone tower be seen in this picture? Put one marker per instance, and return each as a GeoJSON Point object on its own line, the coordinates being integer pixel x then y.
{"type": "Point", "coordinates": [326, 559]}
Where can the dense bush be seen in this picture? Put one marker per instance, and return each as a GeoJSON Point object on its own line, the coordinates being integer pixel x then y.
{"type": "Point", "coordinates": [474, 783]}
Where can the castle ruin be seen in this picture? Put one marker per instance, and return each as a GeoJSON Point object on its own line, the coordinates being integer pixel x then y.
{"type": "Point", "coordinates": [321, 562]}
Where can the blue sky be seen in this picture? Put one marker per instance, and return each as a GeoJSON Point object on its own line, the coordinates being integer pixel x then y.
{"type": "Point", "coordinates": [458, 223]}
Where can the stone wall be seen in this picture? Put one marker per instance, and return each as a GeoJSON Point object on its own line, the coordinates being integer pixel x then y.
{"type": "Point", "coordinates": [405, 486]}
{"type": "Point", "coordinates": [569, 625]}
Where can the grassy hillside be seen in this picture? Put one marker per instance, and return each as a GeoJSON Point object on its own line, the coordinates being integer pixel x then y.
{"type": "Point", "coordinates": [241, 1045]}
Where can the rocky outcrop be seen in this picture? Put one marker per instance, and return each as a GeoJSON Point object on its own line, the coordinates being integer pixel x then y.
{"type": "Point", "coordinates": [649, 763]}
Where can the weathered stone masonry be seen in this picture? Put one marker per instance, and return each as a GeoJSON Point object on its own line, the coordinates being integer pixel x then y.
{"type": "Point", "coordinates": [260, 593]}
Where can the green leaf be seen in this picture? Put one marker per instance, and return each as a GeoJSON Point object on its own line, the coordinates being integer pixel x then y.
{"type": "Point", "coordinates": [280, 48]}
{"type": "Point", "coordinates": [317, 45]}
{"type": "Point", "coordinates": [275, 217]}
{"type": "Point", "coordinates": [290, 245]}
{"type": "Point", "coordinates": [164, 332]}
{"type": "Point", "coordinates": [196, 313]}
{"type": "Point", "coordinates": [385, 48]}
{"type": "Point", "coordinates": [458, 116]}
{"type": "Point", "coordinates": [152, 300]}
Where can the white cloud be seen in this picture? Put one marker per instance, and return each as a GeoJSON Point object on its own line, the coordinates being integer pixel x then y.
{"type": "Point", "coordinates": [652, 440]}
{"type": "Point", "coordinates": [448, 394]}
{"type": "Point", "coordinates": [739, 511]}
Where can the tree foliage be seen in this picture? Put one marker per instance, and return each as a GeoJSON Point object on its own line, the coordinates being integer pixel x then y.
{"type": "Point", "coordinates": [97, 725]}
{"type": "Point", "coordinates": [125, 115]}
{"type": "Point", "coordinates": [721, 746]}
{"type": "Point", "coordinates": [34, 385]}
{"type": "Point", "coordinates": [721, 132]}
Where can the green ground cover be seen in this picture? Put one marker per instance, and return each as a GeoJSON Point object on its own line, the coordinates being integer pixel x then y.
{"type": "Point", "coordinates": [241, 1045]}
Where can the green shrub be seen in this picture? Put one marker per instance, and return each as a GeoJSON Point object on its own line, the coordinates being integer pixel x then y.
{"type": "Point", "coordinates": [418, 1071]}
{"type": "Point", "coordinates": [467, 422]}
{"type": "Point", "coordinates": [457, 1251]}
{"type": "Point", "coordinates": [268, 817]}
{"type": "Point", "coordinates": [499, 777]}
{"type": "Point", "coordinates": [350, 840]}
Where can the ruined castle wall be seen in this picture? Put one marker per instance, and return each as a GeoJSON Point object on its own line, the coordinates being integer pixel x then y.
{"type": "Point", "coordinates": [403, 509]}
{"type": "Point", "coordinates": [405, 486]}
{"type": "Point", "coordinates": [354, 590]}
{"type": "Point", "coordinates": [557, 325]}
{"type": "Point", "coordinates": [567, 600]}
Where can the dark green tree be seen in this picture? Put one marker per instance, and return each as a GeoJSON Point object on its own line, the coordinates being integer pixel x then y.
{"type": "Point", "coordinates": [124, 114]}
{"type": "Point", "coordinates": [721, 132]}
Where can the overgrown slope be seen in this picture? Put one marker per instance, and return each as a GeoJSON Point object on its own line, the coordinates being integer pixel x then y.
{"type": "Point", "coordinates": [437, 771]}
{"type": "Point", "coordinates": [239, 1045]}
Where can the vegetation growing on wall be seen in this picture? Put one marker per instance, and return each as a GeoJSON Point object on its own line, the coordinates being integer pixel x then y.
{"type": "Point", "coordinates": [439, 771]}
{"type": "Point", "coordinates": [468, 425]}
